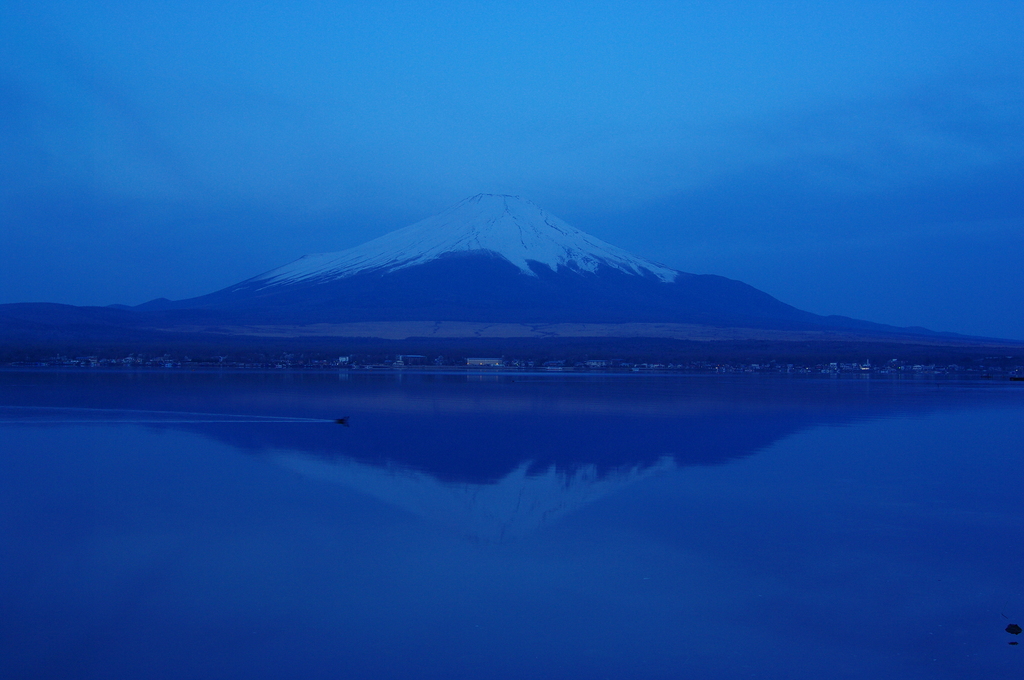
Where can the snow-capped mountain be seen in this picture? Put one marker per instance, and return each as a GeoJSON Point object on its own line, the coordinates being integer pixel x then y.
{"type": "Point", "coordinates": [510, 508]}
{"type": "Point", "coordinates": [492, 259]}
{"type": "Point", "coordinates": [492, 266]}
{"type": "Point", "coordinates": [510, 227]}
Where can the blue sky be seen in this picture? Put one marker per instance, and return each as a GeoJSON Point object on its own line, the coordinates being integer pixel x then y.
{"type": "Point", "coordinates": [863, 158]}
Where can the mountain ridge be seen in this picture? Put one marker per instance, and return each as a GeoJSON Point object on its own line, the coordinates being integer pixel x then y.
{"type": "Point", "coordinates": [496, 258]}
{"type": "Point", "coordinates": [490, 261]}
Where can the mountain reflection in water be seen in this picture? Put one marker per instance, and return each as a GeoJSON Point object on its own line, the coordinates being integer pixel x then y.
{"type": "Point", "coordinates": [507, 526]}
{"type": "Point", "coordinates": [471, 428]}
{"type": "Point", "coordinates": [493, 456]}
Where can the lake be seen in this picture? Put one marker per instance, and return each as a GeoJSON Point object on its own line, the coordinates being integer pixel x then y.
{"type": "Point", "coordinates": [224, 525]}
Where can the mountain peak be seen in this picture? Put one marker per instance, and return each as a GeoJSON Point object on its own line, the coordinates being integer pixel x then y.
{"type": "Point", "coordinates": [510, 227]}
{"type": "Point", "coordinates": [482, 197]}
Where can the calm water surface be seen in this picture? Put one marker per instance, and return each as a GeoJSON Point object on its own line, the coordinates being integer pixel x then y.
{"type": "Point", "coordinates": [222, 525]}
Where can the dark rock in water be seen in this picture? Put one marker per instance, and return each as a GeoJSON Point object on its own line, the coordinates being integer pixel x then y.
{"type": "Point", "coordinates": [1014, 629]}
{"type": "Point", "coordinates": [1013, 643]}
{"type": "Point", "coordinates": [342, 421]}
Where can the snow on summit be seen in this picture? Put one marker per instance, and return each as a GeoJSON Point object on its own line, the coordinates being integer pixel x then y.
{"type": "Point", "coordinates": [508, 226]}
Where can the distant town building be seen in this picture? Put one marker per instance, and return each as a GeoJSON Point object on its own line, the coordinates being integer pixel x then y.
{"type": "Point", "coordinates": [480, 361]}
